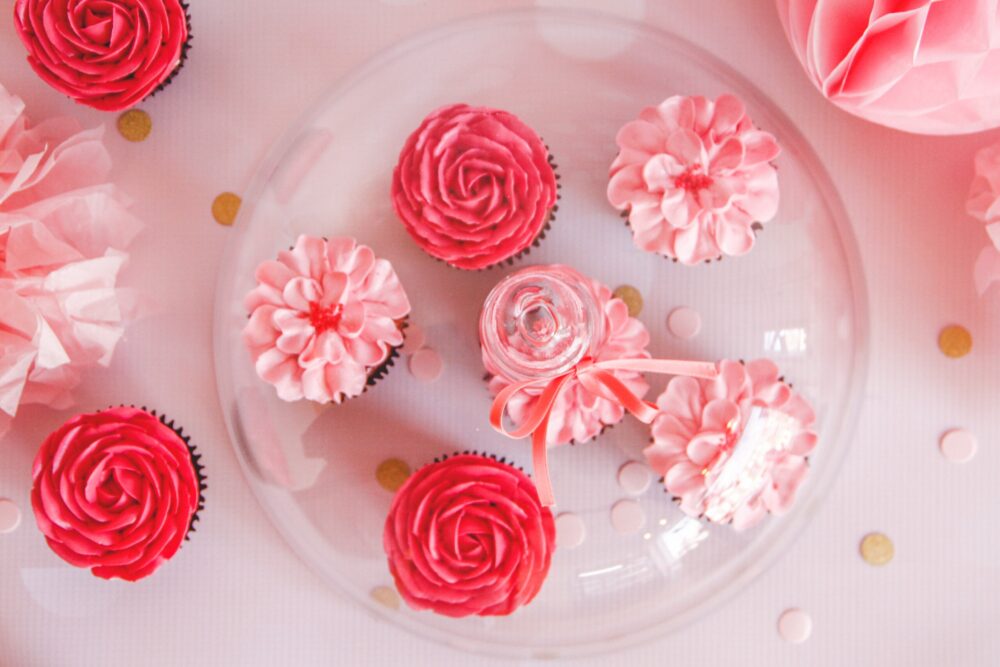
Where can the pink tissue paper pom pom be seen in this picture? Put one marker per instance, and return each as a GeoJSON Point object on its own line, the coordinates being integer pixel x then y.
{"type": "Point", "coordinates": [923, 66]}
{"type": "Point", "coordinates": [63, 232]}
{"type": "Point", "coordinates": [983, 204]}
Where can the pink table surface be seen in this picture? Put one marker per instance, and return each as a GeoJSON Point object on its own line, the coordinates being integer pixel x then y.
{"type": "Point", "coordinates": [238, 596]}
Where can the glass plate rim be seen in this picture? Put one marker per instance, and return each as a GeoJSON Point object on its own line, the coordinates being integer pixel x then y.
{"type": "Point", "coordinates": [791, 527]}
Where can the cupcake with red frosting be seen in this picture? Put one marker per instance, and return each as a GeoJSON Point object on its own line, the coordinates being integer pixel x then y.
{"type": "Point", "coordinates": [327, 319]}
{"type": "Point", "coordinates": [695, 178]}
{"type": "Point", "coordinates": [117, 492]}
{"type": "Point", "coordinates": [466, 536]}
{"type": "Point", "coordinates": [579, 414]}
{"type": "Point", "coordinates": [733, 448]}
{"type": "Point", "coordinates": [106, 54]}
{"type": "Point", "coordinates": [474, 186]}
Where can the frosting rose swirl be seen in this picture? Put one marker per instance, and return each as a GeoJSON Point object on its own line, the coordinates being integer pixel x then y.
{"type": "Point", "coordinates": [734, 447]}
{"type": "Point", "coordinates": [473, 186]}
{"type": "Point", "coordinates": [468, 535]}
{"type": "Point", "coordinates": [323, 318]}
{"type": "Point", "coordinates": [694, 175]}
{"type": "Point", "coordinates": [578, 413]}
{"type": "Point", "coordinates": [107, 54]}
{"type": "Point", "coordinates": [115, 491]}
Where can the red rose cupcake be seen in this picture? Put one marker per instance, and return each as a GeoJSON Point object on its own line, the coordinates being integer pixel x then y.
{"type": "Point", "coordinates": [474, 186]}
{"type": "Point", "coordinates": [106, 54]}
{"type": "Point", "coordinates": [327, 319]}
{"type": "Point", "coordinates": [117, 492]}
{"type": "Point", "coordinates": [466, 536]}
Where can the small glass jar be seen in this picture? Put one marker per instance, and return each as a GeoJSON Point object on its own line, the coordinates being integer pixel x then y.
{"type": "Point", "coordinates": [540, 322]}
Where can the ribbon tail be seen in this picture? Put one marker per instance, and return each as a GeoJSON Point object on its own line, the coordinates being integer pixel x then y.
{"type": "Point", "coordinates": [540, 461]}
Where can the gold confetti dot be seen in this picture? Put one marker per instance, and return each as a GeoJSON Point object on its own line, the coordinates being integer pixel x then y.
{"type": "Point", "coordinates": [631, 297]}
{"type": "Point", "coordinates": [877, 549]}
{"type": "Point", "coordinates": [391, 474]}
{"type": "Point", "coordinates": [225, 207]}
{"type": "Point", "coordinates": [955, 341]}
{"type": "Point", "coordinates": [135, 125]}
{"type": "Point", "coordinates": [385, 596]}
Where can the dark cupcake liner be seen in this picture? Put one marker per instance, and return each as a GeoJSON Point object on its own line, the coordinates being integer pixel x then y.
{"type": "Point", "coordinates": [184, 54]}
{"type": "Point", "coordinates": [380, 371]}
{"type": "Point", "coordinates": [475, 452]}
{"type": "Point", "coordinates": [199, 469]}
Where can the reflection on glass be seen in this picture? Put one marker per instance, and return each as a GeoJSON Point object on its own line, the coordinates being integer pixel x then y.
{"type": "Point", "coordinates": [605, 580]}
{"type": "Point", "coordinates": [740, 477]}
{"type": "Point", "coordinates": [680, 539]}
{"type": "Point", "coordinates": [790, 342]}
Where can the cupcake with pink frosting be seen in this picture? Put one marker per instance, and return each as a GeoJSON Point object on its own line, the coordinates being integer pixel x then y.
{"type": "Point", "coordinates": [467, 535]}
{"type": "Point", "coordinates": [733, 448]}
{"type": "Point", "coordinates": [695, 178]}
{"type": "Point", "coordinates": [327, 319]}
{"type": "Point", "coordinates": [579, 414]}
{"type": "Point", "coordinates": [106, 54]}
{"type": "Point", "coordinates": [474, 186]}
{"type": "Point", "coordinates": [117, 492]}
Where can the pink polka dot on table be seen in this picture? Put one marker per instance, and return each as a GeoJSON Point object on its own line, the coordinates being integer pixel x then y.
{"type": "Point", "coordinates": [635, 477]}
{"type": "Point", "coordinates": [684, 322]}
{"type": "Point", "coordinates": [959, 445]}
{"type": "Point", "coordinates": [627, 517]}
{"type": "Point", "coordinates": [795, 626]}
{"type": "Point", "coordinates": [570, 530]}
{"type": "Point", "coordinates": [10, 516]}
{"type": "Point", "coordinates": [426, 365]}
{"type": "Point", "coordinates": [414, 340]}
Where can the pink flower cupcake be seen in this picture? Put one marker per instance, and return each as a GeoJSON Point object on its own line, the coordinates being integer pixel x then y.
{"type": "Point", "coordinates": [466, 536]}
{"type": "Point", "coordinates": [474, 186]}
{"type": "Point", "coordinates": [106, 54]}
{"type": "Point", "coordinates": [579, 414]}
{"type": "Point", "coordinates": [694, 177]}
{"type": "Point", "coordinates": [733, 448]}
{"type": "Point", "coordinates": [117, 492]}
{"type": "Point", "coordinates": [326, 319]}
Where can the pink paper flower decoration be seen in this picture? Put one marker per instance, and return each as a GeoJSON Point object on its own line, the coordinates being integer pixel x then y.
{"type": "Point", "coordinates": [63, 231]}
{"type": "Point", "coordinates": [984, 205]}
{"type": "Point", "coordinates": [924, 66]}
{"type": "Point", "coordinates": [733, 448]}
{"type": "Point", "coordinates": [694, 175]}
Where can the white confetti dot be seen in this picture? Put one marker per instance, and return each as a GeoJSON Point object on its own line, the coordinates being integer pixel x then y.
{"type": "Point", "coordinates": [684, 322]}
{"type": "Point", "coordinates": [634, 477]}
{"type": "Point", "coordinates": [414, 339]}
{"type": "Point", "coordinates": [959, 445]}
{"type": "Point", "coordinates": [10, 516]}
{"type": "Point", "coordinates": [795, 626]}
{"type": "Point", "coordinates": [570, 531]}
{"type": "Point", "coordinates": [627, 517]}
{"type": "Point", "coordinates": [426, 365]}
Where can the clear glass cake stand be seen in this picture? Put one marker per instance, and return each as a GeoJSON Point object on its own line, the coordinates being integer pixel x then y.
{"type": "Point", "coordinates": [798, 297]}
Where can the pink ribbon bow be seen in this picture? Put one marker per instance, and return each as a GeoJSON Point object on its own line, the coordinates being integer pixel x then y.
{"type": "Point", "coordinates": [597, 378]}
